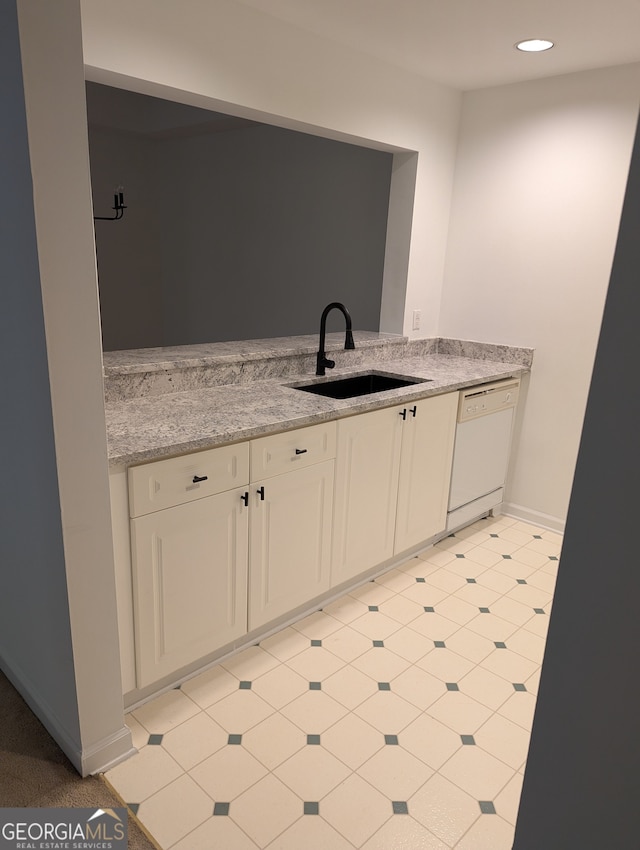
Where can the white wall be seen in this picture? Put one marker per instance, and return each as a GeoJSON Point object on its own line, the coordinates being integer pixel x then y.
{"type": "Point", "coordinates": [59, 163]}
{"type": "Point", "coordinates": [540, 179]}
{"type": "Point", "coordinates": [239, 61]}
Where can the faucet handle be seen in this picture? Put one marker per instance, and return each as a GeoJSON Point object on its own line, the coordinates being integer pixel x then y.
{"type": "Point", "coordinates": [329, 363]}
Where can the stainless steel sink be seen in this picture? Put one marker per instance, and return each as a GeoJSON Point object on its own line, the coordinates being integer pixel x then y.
{"type": "Point", "coordinates": [356, 385]}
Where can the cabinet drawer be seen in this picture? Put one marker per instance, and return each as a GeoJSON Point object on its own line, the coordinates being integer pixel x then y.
{"type": "Point", "coordinates": [291, 450]}
{"type": "Point", "coordinates": [166, 483]}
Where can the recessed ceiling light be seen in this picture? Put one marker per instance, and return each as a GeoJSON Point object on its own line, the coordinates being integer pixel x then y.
{"type": "Point", "coordinates": [534, 45]}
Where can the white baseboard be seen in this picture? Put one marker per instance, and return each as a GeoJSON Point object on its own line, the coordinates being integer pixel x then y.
{"type": "Point", "coordinates": [535, 517]}
{"type": "Point", "coordinates": [99, 757]}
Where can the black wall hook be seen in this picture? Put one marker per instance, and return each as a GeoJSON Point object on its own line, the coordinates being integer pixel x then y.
{"type": "Point", "coordinates": [118, 206]}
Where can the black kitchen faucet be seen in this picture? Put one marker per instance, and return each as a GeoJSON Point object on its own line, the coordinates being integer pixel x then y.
{"type": "Point", "coordinates": [322, 360]}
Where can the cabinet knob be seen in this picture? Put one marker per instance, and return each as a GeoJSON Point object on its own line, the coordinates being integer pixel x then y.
{"type": "Point", "coordinates": [198, 478]}
{"type": "Point", "coordinates": [260, 493]}
{"type": "Point", "coordinates": [245, 498]}
{"type": "Point", "coordinates": [301, 451]}
{"type": "Point", "coordinates": [403, 412]}
{"type": "Point", "coordinates": [414, 410]}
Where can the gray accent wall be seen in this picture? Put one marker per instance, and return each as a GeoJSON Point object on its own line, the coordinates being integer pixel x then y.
{"type": "Point", "coordinates": [35, 633]}
{"type": "Point", "coordinates": [581, 781]}
{"type": "Point", "coordinates": [235, 230]}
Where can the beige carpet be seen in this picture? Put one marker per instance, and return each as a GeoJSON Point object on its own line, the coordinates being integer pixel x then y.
{"type": "Point", "coordinates": [34, 772]}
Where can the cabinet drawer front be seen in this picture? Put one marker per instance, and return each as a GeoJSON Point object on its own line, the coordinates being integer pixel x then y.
{"type": "Point", "coordinates": [178, 480]}
{"type": "Point", "coordinates": [291, 450]}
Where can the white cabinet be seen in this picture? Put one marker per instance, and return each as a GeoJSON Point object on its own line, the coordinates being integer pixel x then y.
{"type": "Point", "coordinates": [227, 540]}
{"type": "Point", "coordinates": [367, 470]}
{"type": "Point", "coordinates": [425, 469]}
{"type": "Point", "coordinates": [290, 520]}
{"type": "Point", "coordinates": [290, 541]}
{"type": "Point", "coordinates": [189, 559]}
{"type": "Point", "coordinates": [214, 555]}
{"type": "Point", "coordinates": [392, 479]}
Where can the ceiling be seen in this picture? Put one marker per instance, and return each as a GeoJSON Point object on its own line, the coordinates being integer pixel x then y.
{"type": "Point", "coordinates": [469, 44]}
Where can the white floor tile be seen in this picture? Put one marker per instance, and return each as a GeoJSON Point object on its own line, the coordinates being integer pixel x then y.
{"type": "Point", "coordinates": [216, 832]}
{"type": "Point", "coordinates": [430, 740]}
{"type": "Point", "coordinates": [176, 810]}
{"type": "Point", "coordinates": [379, 726]}
{"type": "Point", "coordinates": [274, 740]}
{"type": "Point", "coordinates": [312, 772]}
{"type": "Point", "coordinates": [504, 739]}
{"type": "Point", "coordinates": [194, 740]}
{"type": "Point", "coordinates": [280, 686]}
{"type": "Point", "coordinates": [356, 809]}
{"type": "Point", "coordinates": [477, 772]}
{"type": "Point", "coordinates": [266, 809]}
{"type": "Point", "coordinates": [144, 774]}
{"type": "Point", "coordinates": [310, 832]}
{"type": "Point", "coordinates": [444, 809]}
{"type": "Point", "coordinates": [240, 711]}
{"type": "Point", "coordinates": [490, 832]}
{"type": "Point", "coordinates": [352, 740]}
{"type": "Point", "coordinates": [349, 687]}
{"type": "Point", "coordinates": [403, 831]}
{"type": "Point", "coordinates": [395, 772]}
{"type": "Point", "coordinates": [210, 686]}
{"type": "Point", "coordinates": [227, 773]}
{"type": "Point", "coordinates": [165, 712]}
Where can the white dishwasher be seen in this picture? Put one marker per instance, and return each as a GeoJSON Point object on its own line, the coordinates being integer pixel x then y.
{"type": "Point", "coordinates": [481, 451]}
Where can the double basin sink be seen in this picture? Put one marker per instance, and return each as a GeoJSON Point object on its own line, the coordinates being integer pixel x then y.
{"type": "Point", "coordinates": [365, 383]}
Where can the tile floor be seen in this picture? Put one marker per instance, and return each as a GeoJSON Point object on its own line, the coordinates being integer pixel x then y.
{"type": "Point", "coordinates": [396, 717]}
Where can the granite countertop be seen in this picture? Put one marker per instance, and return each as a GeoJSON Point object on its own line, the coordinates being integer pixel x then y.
{"type": "Point", "coordinates": [156, 426]}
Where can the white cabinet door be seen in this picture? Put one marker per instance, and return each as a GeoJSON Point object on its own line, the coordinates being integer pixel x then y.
{"type": "Point", "coordinates": [425, 469]}
{"type": "Point", "coordinates": [290, 539]}
{"type": "Point", "coordinates": [367, 466]}
{"type": "Point", "coordinates": [189, 582]}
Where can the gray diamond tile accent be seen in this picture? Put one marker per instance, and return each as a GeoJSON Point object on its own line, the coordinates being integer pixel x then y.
{"type": "Point", "coordinates": [234, 739]}
{"type": "Point", "coordinates": [439, 644]}
{"type": "Point", "coordinates": [539, 610]}
{"type": "Point", "coordinates": [378, 643]}
{"type": "Point", "coordinates": [154, 740]}
{"type": "Point", "coordinates": [487, 807]}
{"type": "Point", "coordinates": [313, 739]}
{"type": "Point", "coordinates": [452, 686]}
{"type": "Point", "coordinates": [373, 608]}
{"type": "Point", "coordinates": [507, 557]}
{"type": "Point", "coordinates": [429, 609]}
{"type": "Point", "coordinates": [537, 537]}
{"type": "Point", "coordinates": [391, 740]}
{"type": "Point", "coordinates": [384, 686]}
{"type": "Point", "coordinates": [221, 808]}
{"type": "Point", "coordinates": [400, 807]}
{"type": "Point", "coordinates": [500, 644]}
{"type": "Point", "coordinates": [421, 580]}
{"type": "Point", "coordinates": [552, 558]}
{"type": "Point", "coordinates": [245, 686]}
{"type": "Point", "coordinates": [484, 611]}
{"type": "Point", "coordinates": [311, 808]}
{"type": "Point", "coordinates": [521, 581]}
{"type": "Point", "coordinates": [315, 686]}
{"type": "Point", "coordinates": [471, 581]}
{"type": "Point", "coordinates": [468, 740]}
{"type": "Point", "coordinates": [519, 686]}
{"type": "Point", "coordinates": [493, 535]}
{"type": "Point", "coordinates": [459, 556]}
{"type": "Point", "coordinates": [316, 643]}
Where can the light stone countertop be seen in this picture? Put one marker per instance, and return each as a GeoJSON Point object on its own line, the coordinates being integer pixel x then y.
{"type": "Point", "coordinates": [157, 426]}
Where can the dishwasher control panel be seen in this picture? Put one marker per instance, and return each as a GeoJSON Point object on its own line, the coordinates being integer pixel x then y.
{"type": "Point", "coordinates": [487, 398]}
